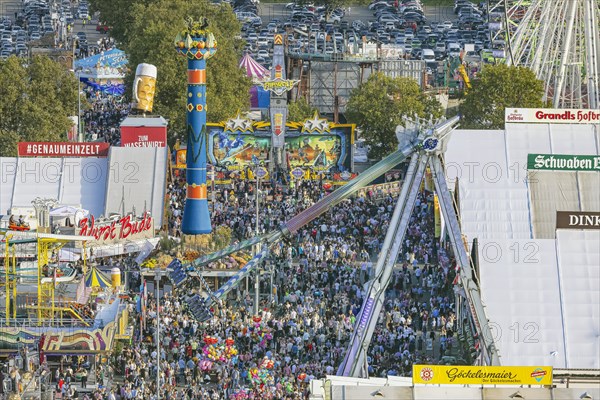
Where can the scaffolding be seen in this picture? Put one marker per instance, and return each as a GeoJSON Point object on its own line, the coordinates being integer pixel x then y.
{"type": "Point", "coordinates": [10, 279]}
{"type": "Point", "coordinates": [326, 81]}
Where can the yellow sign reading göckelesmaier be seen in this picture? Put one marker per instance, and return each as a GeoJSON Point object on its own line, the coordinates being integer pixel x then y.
{"type": "Point", "coordinates": [479, 375]}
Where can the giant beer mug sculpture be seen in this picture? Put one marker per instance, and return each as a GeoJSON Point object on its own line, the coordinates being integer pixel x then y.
{"type": "Point", "coordinates": [144, 86]}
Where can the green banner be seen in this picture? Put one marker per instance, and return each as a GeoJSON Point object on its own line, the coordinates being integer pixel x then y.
{"type": "Point", "coordinates": [563, 162]}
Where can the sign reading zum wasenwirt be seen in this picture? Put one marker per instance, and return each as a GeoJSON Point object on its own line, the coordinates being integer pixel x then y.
{"type": "Point", "coordinates": [481, 375]}
{"type": "Point", "coordinates": [563, 162]}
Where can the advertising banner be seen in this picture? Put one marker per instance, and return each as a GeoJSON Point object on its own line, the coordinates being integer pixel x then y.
{"type": "Point", "coordinates": [143, 136]}
{"type": "Point", "coordinates": [62, 149]}
{"type": "Point", "coordinates": [551, 116]}
{"type": "Point", "coordinates": [563, 162]}
{"type": "Point", "coordinates": [437, 216]}
{"type": "Point", "coordinates": [577, 220]}
{"type": "Point", "coordinates": [319, 152]}
{"type": "Point", "coordinates": [117, 230]}
{"type": "Point", "coordinates": [278, 120]}
{"type": "Point", "coordinates": [481, 375]}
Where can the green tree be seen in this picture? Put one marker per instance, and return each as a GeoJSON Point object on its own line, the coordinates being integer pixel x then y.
{"type": "Point", "coordinates": [498, 87]}
{"type": "Point", "coordinates": [148, 36]}
{"type": "Point", "coordinates": [36, 101]}
{"type": "Point", "coordinates": [379, 105]}
{"type": "Point", "coordinates": [300, 110]}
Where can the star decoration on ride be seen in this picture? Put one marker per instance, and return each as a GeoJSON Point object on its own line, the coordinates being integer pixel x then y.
{"type": "Point", "coordinates": [238, 124]}
{"type": "Point", "coordinates": [316, 124]}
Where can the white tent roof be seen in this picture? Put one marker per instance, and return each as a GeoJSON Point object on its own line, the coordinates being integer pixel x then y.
{"type": "Point", "coordinates": [492, 171]}
{"type": "Point", "coordinates": [540, 286]}
{"type": "Point", "coordinates": [67, 211]}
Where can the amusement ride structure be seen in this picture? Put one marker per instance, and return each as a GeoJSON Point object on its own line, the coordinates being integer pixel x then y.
{"type": "Point", "coordinates": [424, 145]}
{"type": "Point", "coordinates": [559, 40]}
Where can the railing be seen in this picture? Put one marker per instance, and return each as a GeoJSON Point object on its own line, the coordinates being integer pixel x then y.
{"type": "Point", "coordinates": [37, 324]}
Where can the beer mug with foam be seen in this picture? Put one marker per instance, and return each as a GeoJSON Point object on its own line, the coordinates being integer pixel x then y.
{"type": "Point", "coordinates": [144, 86]}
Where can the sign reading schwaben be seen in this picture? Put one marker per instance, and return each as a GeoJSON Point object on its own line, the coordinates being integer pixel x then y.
{"type": "Point", "coordinates": [563, 162]}
{"type": "Point", "coordinates": [577, 220]}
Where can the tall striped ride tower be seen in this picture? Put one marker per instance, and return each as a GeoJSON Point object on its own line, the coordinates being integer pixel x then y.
{"type": "Point", "coordinates": [197, 44]}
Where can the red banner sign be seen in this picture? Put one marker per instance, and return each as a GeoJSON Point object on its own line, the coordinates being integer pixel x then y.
{"type": "Point", "coordinates": [63, 149]}
{"type": "Point", "coordinates": [143, 136]}
{"type": "Point", "coordinates": [117, 229]}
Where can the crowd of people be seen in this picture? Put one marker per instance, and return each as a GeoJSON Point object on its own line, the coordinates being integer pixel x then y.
{"type": "Point", "coordinates": [305, 323]}
{"type": "Point", "coordinates": [103, 118]}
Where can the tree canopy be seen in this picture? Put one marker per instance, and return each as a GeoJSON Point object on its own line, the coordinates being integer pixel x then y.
{"type": "Point", "coordinates": [36, 100]}
{"type": "Point", "coordinates": [379, 105]}
{"type": "Point", "coordinates": [498, 87]}
{"type": "Point", "coordinates": [300, 110]}
{"type": "Point", "coordinates": [146, 30]}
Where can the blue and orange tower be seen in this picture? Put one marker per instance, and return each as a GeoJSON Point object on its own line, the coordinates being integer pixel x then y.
{"type": "Point", "coordinates": [197, 44]}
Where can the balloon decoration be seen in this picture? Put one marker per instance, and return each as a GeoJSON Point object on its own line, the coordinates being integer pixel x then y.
{"type": "Point", "coordinates": [261, 332]}
{"type": "Point", "coordinates": [261, 377]}
{"type": "Point", "coordinates": [216, 349]}
{"type": "Point", "coordinates": [239, 395]}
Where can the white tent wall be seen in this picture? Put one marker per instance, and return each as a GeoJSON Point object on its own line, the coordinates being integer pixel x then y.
{"type": "Point", "coordinates": [136, 181]}
{"type": "Point", "coordinates": [82, 183]}
{"type": "Point", "coordinates": [551, 191]}
{"type": "Point", "coordinates": [78, 182]}
{"type": "Point", "coordinates": [8, 173]}
{"type": "Point", "coordinates": [579, 267]}
{"type": "Point", "coordinates": [520, 289]}
{"type": "Point", "coordinates": [36, 177]}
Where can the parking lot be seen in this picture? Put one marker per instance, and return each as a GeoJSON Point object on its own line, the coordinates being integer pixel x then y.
{"type": "Point", "coordinates": [62, 24]}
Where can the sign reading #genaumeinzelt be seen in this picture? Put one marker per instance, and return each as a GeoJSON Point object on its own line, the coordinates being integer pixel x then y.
{"type": "Point", "coordinates": [62, 149]}
{"type": "Point", "coordinates": [481, 375]}
{"type": "Point", "coordinates": [563, 162]}
{"type": "Point", "coordinates": [551, 116]}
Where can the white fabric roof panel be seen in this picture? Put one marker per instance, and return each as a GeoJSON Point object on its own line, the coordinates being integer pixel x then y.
{"type": "Point", "coordinates": [498, 207]}
{"type": "Point", "coordinates": [493, 196]}
{"type": "Point", "coordinates": [551, 191]}
{"type": "Point", "coordinates": [524, 139]}
{"type": "Point", "coordinates": [520, 289]}
{"type": "Point", "coordinates": [83, 184]}
{"type": "Point", "coordinates": [589, 190]}
{"type": "Point", "coordinates": [572, 139]}
{"type": "Point", "coordinates": [136, 181]}
{"type": "Point", "coordinates": [579, 261]}
{"type": "Point", "coordinates": [36, 177]}
{"type": "Point", "coordinates": [8, 169]}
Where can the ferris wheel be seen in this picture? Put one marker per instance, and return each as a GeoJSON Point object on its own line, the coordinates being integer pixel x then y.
{"type": "Point", "coordinates": [558, 39]}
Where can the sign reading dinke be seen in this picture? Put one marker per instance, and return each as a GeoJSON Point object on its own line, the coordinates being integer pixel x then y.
{"type": "Point", "coordinates": [481, 375]}
{"type": "Point", "coordinates": [577, 220]}
{"type": "Point", "coordinates": [110, 231]}
{"type": "Point", "coordinates": [563, 162]}
{"type": "Point", "coordinates": [62, 149]}
{"type": "Point", "coordinates": [551, 116]}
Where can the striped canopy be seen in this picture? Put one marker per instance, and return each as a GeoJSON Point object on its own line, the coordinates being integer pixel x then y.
{"type": "Point", "coordinates": [253, 69]}
{"type": "Point", "coordinates": [95, 278]}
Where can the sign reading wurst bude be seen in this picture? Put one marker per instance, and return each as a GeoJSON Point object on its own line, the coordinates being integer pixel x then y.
{"type": "Point", "coordinates": [551, 116]}
{"type": "Point", "coordinates": [481, 375]}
